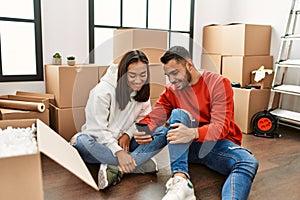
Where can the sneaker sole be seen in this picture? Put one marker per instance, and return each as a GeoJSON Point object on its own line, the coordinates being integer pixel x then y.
{"type": "Point", "coordinates": [102, 177]}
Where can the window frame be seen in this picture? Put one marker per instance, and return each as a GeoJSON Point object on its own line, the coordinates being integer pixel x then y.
{"type": "Point", "coordinates": [92, 26]}
{"type": "Point", "coordinates": [38, 47]}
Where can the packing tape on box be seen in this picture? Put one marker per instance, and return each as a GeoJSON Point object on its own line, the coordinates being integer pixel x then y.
{"type": "Point", "coordinates": [22, 105]}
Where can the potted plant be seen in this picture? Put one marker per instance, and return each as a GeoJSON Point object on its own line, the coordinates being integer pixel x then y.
{"type": "Point", "coordinates": [71, 60]}
{"type": "Point", "coordinates": [56, 59]}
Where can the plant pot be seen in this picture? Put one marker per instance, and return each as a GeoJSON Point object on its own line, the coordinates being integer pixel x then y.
{"type": "Point", "coordinates": [56, 61]}
{"type": "Point", "coordinates": [71, 62]}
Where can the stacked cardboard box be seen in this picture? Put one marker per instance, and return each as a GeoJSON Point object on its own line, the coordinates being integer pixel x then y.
{"type": "Point", "coordinates": [153, 43]}
{"type": "Point", "coordinates": [71, 86]}
{"type": "Point", "coordinates": [235, 51]}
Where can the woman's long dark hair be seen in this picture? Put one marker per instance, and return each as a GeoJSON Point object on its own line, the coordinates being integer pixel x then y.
{"type": "Point", "coordinates": [122, 90]}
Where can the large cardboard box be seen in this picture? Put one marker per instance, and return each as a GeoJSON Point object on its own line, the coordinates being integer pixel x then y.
{"type": "Point", "coordinates": [21, 176]}
{"type": "Point", "coordinates": [237, 39]}
{"type": "Point", "coordinates": [212, 41]}
{"type": "Point", "coordinates": [247, 39]}
{"type": "Point", "coordinates": [212, 62]}
{"type": "Point", "coordinates": [70, 84]}
{"type": "Point", "coordinates": [239, 68]}
{"type": "Point", "coordinates": [127, 39]}
{"type": "Point", "coordinates": [66, 121]}
{"type": "Point", "coordinates": [153, 55]}
{"type": "Point", "coordinates": [248, 102]}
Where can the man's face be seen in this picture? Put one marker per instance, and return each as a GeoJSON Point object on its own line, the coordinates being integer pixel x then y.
{"type": "Point", "coordinates": [178, 74]}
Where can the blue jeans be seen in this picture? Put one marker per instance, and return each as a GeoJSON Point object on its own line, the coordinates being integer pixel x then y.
{"type": "Point", "coordinates": [223, 156]}
{"type": "Point", "coordinates": [92, 151]}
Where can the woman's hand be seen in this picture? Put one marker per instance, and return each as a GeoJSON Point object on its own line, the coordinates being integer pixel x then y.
{"type": "Point", "coordinates": [126, 162]}
{"type": "Point", "coordinates": [142, 137]}
{"type": "Point", "coordinates": [124, 142]}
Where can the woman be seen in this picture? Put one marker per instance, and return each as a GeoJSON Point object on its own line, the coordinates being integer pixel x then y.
{"type": "Point", "coordinates": [119, 100]}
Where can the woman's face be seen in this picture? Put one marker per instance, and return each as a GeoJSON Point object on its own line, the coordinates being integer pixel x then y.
{"type": "Point", "coordinates": [137, 75]}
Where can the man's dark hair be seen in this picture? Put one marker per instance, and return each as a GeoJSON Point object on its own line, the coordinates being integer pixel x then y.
{"type": "Point", "coordinates": [179, 53]}
{"type": "Point", "coordinates": [122, 90]}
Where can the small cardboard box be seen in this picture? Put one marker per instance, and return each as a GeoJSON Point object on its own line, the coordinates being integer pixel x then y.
{"type": "Point", "coordinates": [66, 121]}
{"type": "Point", "coordinates": [127, 39]}
{"type": "Point", "coordinates": [212, 62]}
{"type": "Point", "coordinates": [239, 68]}
{"type": "Point", "coordinates": [248, 102]}
{"type": "Point", "coordinates": [70, 84]}
{"type": "Point", "coordinates": [237, 39]}
{"type": "Point", "coordinates": [21, 176]}
{"type": "Point", "coordinates": [266, 82]}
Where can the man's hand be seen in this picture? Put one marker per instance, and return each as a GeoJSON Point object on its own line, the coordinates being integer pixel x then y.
{"type": "Point", "coordinates": [142, 137]}
{"type": "Point", "coordinates": [124, 142]}
{"type": "Point", "coordinates": [181, 134]}
{"type": "Point", "coordinates": [126, 162]}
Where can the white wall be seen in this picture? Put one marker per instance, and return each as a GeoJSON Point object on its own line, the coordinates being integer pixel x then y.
{"type": "Point", "coordinates": [64, 29]}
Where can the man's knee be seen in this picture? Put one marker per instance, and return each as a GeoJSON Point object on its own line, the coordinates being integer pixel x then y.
{"type": "Point", "coordinates": [180, 115]}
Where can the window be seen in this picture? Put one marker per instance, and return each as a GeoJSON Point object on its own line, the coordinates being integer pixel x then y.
{"type": "Point", "coordinates": [174, 16]}
{"type": "Point", "coordinates": [20, 41]}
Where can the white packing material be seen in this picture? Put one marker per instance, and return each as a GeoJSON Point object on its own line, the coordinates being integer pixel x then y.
{"type": "Point", "coordinates": [18, 141]}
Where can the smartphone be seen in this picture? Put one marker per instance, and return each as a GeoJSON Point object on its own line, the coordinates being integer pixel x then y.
{"type": "Point", "coordinates": [143, 127]}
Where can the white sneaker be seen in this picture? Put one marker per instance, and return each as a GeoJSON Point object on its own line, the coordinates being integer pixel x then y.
{"type": "Point", "coordinates": [179, 188]}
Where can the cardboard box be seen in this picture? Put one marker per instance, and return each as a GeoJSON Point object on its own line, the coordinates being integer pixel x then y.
{"type": "Point", "coordinates": [9, 114]}
{"type": "Point", "coordinates": [212, 62]}
{"type": "Point", "coordinates": [265, 83]}
{"type": "Point", "coordinates": [247, 39]}
{"type": "Point", "coordinates": [36, 95]}
{"type": "Point", "coordinates": [70, 84]}
{"type": "Point", "coordinates": [212, 39]}
{"type": "Point", "coordinates": [102, 70]}
{"type": "Point", "coordinates": [127, 39]}
{"type": "Point", "coordinates": [21, 176]}
{"type": "Point", "coordinates": [27, 168]}
{"type": "Point", "coordinates": [237, 39]}
{"type": "Point", "coordinates": [153, 55]}
{"type": "Point", "coordinates": [248, 102]}
{"type": "Point", "coordinates": [239, 68]}
{"type": "Point", "coordinates": [67, 121]}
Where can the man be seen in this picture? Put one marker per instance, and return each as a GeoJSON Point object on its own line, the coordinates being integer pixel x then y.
{"type": "Point", "coordinates": [199, 108]}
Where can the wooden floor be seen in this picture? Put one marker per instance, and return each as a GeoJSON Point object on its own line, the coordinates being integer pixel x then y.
{"type": "Point", "coordinates": [278, 176]}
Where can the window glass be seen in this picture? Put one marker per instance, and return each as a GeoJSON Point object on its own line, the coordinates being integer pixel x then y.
{"type": "Point", "coordinates": [107, 12]}
{"type": "Point", "coordinates": [159, 13]}
{"type": "Point", "coordinates": [134, 13]}
{"type": "Point", "coordinates": [181, 15]}
{"type": "Point", "coordinates": [17, 9]}
{"type": "Point", "coordinates": [103, 46]}
{"type": "Point", "coordinates": [18, 50]}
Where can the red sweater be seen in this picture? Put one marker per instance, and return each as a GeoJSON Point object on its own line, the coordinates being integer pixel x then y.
{"type": "Point", "coordinates": [210, 101]}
